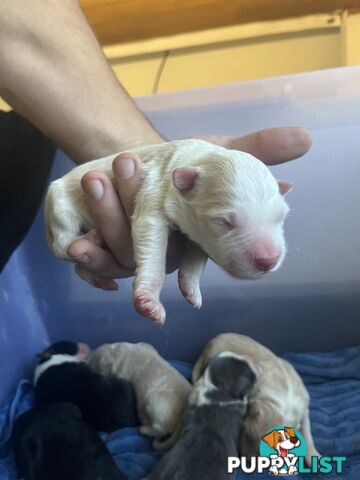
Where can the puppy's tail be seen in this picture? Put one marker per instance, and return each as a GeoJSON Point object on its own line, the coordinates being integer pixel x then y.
{"type": "Point", "coordinates": [168, 442]}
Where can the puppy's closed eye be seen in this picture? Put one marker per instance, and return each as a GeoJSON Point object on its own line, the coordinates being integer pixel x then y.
{"type": "Point", "coordinates": [228, 220]}
{"type": "Point", "coordinates": [224, 222]}
{"type": "Point", "coordinates": [227, 223]}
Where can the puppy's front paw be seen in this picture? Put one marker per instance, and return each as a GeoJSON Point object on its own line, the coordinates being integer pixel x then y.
{"type": "Point", "coordinates": [149, 306]}
{"type": "Point", "coordinates": [190, 290]}
{"type": "Point", "coordinates": [193, 296]}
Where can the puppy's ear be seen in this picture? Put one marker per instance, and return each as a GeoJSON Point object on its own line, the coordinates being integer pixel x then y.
{"type": "Point", "coordinates": [44, 356]}
{"type": "Point", "coordinates": [232, 375]}
{"type": "Point", "coordinates": [290, 431]}
{"type": "Point", "coordinates": [184, 179]}
{"type": "Point", "coordinates": [284, 186]}
{"type": "Point", "coordinates": [244, 377]}
{"type": "Point", "coordinates": [271, 438]}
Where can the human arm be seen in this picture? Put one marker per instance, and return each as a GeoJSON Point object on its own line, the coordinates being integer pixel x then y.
{"type": "Point", "coordinates": [53, 72]}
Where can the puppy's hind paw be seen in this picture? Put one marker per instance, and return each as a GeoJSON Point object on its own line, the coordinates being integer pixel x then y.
{"type": "Point", "coordinates": [148, 306]}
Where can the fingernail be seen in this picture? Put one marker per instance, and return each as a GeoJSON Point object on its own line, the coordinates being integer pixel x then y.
{"type": "Point", "coordinates": [95, 189]}
{"type": "Point", "coordinates": [124, 168]}
{"type": "Point", "coordinates": [82, 259]}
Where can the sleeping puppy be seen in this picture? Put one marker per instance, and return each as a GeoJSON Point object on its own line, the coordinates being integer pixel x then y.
{"type": "Point", "coordinates": [227, 203]}
{"type": "Point", "coordinates": [212, 423]}
{"type": "Point", "coordinates": [161, 391]}
{"type": "Point", "coordinates": [278, 398]}
{"type": "Point", "coordinates": [54, 443]}
{"type": "Point", "coordinates": [62, 375]}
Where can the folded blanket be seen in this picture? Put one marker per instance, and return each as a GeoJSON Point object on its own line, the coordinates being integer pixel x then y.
{"type": "Point", "coordinates": [333, 381]}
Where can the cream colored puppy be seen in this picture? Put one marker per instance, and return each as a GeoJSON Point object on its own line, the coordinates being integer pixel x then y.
{"type": "Point", "coordinates": [161, 391]}
{"type": "Point", "coordinates": [279, 396]}
{"type": "Point", "coordinates": [226, 202]}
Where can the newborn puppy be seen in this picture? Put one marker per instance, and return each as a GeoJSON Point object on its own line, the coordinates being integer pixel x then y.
{"type": "Point", "coordinates": [279, 396]}
{"type": "Point", "coordinates": [53, 443]}
{"type": "Point", "coordinates": [161, 391]}
{"type": "Point", "coordinates": [212, 423]}
{"type": "Point", "coordinates": [226, 202]}
{"type": "Point", "coordinates": [62, 375]}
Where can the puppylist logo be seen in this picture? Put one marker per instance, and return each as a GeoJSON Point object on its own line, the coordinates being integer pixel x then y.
{"type": "Point", "coordinates": [283, 452]}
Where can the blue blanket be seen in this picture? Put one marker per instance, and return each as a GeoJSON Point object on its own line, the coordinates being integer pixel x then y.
{"type": "Point", "coordinates": [333, 380]}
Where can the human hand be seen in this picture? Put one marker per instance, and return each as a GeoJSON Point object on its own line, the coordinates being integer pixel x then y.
{"type": "Point", "coordinates": [107, 253]}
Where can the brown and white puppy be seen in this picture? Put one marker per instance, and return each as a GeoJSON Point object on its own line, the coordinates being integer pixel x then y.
{"type": "Point", "coordinates": [279, 396]}
{"type": "Point", "coordinates": [226, 202]}
{"type": "Point", "coordinates": [161, 391]}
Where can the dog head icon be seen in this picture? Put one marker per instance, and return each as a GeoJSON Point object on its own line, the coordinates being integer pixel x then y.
{"type": "Point", "coordinates": [282, 440]}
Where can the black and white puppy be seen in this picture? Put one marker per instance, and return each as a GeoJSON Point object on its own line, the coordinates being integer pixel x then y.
{"type": "Point", "coordinates": [54, 443]}
{"type": "Point", "coordinates": [62, 375]}
{"type": "Point", "coordinates": [212, 423]}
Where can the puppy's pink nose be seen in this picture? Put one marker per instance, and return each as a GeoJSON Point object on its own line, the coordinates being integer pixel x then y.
{"type": "Point", "coordinates": [266, 263]}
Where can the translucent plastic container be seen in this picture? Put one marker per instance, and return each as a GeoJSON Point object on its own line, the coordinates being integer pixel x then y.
{"type": "Point", "coordinates": [311, 303]}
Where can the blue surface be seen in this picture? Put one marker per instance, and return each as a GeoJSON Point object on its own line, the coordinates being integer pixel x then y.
{"type": "Point", "coordinates": [333, 380]}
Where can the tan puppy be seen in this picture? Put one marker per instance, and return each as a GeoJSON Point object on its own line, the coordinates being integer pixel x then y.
{"type": "Point", "coordinates": [161, 391]}
{"type": "Point", "coordinates": [279, 396]}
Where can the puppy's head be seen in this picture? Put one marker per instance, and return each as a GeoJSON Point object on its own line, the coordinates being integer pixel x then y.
{"type": "Point", "coordinates": [33, 428]}
{"type": "Point", "coordinates": [230, 204]}
{"type": "Point", "coordinates": [80, 351]}
{"type": "Point", "coordinates": [230, 373]}
{"type": "Point", "coordinates": [59, 353]}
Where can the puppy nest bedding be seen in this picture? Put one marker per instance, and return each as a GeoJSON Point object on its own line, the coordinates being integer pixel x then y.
{"type": "Point", "coordinates": [332, 379]}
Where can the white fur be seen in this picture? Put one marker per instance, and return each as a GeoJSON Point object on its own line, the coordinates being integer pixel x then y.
{"type": "Point", "coordinates": [57, 359]}
{"type": "Point", "coordinates": [203, 386]}
{"type": "Point", "coordinates": [234, 213]}
{"type": "Point", "coordinates": [279, 396]}
{"type": "Point", "coordinates": [161, 391]}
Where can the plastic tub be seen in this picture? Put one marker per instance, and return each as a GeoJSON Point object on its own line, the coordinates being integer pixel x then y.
{"type": "Point", "coordinates": [311, 303]}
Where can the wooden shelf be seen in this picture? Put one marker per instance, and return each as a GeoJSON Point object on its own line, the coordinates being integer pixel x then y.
{"type": "Point", "coordinates": [119, 21]}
